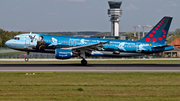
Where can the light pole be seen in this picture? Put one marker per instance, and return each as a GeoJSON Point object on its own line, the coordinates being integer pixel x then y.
{"type": "Point", "coordinates": [139, 32]}
{"type": "Point", "coordinates": [144, 30]}
{"type": "Point", "coordinates": [135, 32]}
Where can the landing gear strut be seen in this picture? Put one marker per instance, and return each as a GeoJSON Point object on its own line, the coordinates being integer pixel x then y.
{"type": "Point", "coordinates": [27, 57]}
{"type": "Point", "coordinates": [84, 62]}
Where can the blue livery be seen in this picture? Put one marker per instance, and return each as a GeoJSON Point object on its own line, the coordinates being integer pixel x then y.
{"type": "Point", "coordinates": [65, 47]}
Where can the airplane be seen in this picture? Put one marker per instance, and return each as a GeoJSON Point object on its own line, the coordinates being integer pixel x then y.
{"type": "Point", "coordinates": [65, 47]}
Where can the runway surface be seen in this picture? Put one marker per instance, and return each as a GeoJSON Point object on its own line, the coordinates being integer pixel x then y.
{"type": "Point", "coordinates": [118, 67]}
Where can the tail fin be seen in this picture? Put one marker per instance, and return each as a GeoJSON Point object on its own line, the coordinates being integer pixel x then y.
{"type": "Point", "coordinates": [159, 32]}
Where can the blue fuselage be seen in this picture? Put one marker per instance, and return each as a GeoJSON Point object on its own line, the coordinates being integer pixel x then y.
{"type": "Point", "coordinates": [113, 47]}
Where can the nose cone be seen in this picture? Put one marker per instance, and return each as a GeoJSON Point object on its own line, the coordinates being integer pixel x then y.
{"type": "Point", "coordinates": [7, 43]}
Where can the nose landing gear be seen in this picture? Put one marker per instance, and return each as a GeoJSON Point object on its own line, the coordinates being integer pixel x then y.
{"type": "Point", "coordinates": [27, 57]}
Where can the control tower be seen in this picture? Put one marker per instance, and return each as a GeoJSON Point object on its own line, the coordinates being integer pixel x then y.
{"type": "Point", "coordinates": [114, 12]}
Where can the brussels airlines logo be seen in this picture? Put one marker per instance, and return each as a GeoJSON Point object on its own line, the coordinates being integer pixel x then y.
{"type": "Point", "coordinates": [163, 33]}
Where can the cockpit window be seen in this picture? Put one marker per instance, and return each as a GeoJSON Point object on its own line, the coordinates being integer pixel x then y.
{"type": "Point", "coordinates": [16, 38]}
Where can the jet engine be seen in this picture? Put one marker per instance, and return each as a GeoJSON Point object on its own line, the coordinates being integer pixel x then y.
{"type": "Point", "coordinates": [63, 54]}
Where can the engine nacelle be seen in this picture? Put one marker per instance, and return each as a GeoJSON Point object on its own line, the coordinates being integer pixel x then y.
{"type": "Point", "coordinates": [63, 54]}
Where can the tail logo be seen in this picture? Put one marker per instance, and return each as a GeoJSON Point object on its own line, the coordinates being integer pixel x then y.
{"type": "Point", "coordinates": [155, 31]}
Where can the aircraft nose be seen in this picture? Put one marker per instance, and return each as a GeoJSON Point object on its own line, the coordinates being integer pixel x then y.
{"type": "Point", "coordinates": [7, 43]}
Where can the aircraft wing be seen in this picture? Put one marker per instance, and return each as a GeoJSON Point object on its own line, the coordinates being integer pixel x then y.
{"type": "Point", "coordinates": [90, 47]}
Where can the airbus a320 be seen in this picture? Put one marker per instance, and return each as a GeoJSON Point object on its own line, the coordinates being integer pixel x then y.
{"type": "Point", "coordinates": [65, 47]}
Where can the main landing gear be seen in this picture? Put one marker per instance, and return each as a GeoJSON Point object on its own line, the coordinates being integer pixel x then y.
{"type": "Point", "coordinates": [27, 57]}
{"type": "Point", "coordinates": [83, 62]}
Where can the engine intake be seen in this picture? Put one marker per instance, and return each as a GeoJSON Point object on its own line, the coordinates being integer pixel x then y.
{"type": "Point", "coordinates": [63, 54]}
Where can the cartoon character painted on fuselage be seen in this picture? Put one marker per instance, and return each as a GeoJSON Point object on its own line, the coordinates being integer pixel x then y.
{"type": "Point", "coordinates": [40, 43]}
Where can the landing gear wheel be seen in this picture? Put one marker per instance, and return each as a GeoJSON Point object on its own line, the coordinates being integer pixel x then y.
{"type": "Point", "coordinates": [84, 62]}
{"type": "Point", "coordinates": [27, 56]}
{"type": "Point", "coordinates": [26, 59]}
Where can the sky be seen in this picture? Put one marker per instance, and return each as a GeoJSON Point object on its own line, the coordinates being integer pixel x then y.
{"type": "Point", "coordinates": [83, 15]}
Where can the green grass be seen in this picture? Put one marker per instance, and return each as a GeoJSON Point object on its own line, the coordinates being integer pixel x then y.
{"type": "Point", "coordinates": [99, 61]}
{"type": "Point", "coordinates": [13, 53]}
{"type": "Point", "coordinates": [90, 86]}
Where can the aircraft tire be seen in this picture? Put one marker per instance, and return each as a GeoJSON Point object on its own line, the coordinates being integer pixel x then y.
{"type": "Point", "coordinates": [26, 59]}
{"type": "Point", "coordinates": [84, 62]}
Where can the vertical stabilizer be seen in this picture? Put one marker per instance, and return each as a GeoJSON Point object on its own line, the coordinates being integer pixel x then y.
{"type": "Point", "coordinates": [159, 32]}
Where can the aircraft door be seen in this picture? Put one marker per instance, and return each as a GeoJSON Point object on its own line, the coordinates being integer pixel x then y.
{"type": "Point", "coordinates": [27, 40]}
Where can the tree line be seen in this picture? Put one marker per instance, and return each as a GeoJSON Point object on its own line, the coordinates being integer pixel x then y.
{"type": "Point", "coordinates": [6, 35]}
